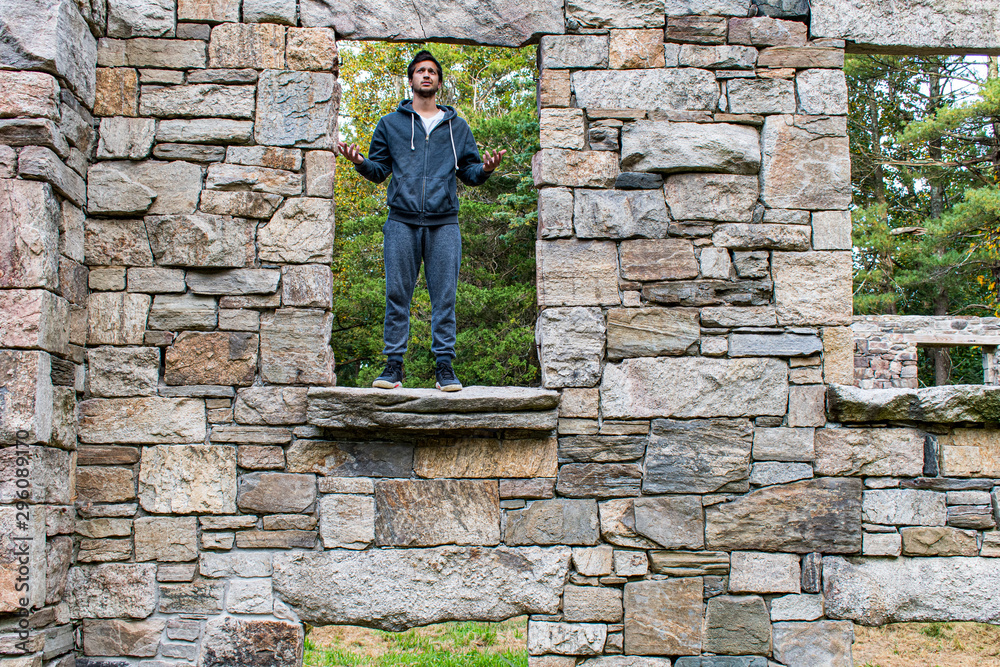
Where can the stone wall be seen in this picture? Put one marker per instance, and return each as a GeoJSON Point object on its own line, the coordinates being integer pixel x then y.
{"type": "Point", "coordinates": [886, 346]}
{"type": "Point", "coordinates": [689, 482]}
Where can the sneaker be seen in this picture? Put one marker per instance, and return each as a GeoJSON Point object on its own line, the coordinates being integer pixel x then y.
{"type": "Point", "coordinates": [446, 380]}
{"type": "Point", "coordinates": [392, 376]}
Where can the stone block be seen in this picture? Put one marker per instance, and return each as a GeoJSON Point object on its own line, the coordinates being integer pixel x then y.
{"type": "Point", "coordinates": [696, 29]}
{"type": "Point", "coordinates": [718, 197]}
{"type": "Point", "coordinates": [117, 92]}
{"type": "Point", "coordinates": [562, 128]}
{"type": "Point", "coordinates": [192, 152]}
{"type": "Point", "coordinates": [249, 596]}
{"type": "Point", "coordinates": [651, 332]}
{"type": "Point", "coordinates": [294, 347]}
{"type": "Point", "coordinates": [177, 184]}
{"type": "Point", "coordinates": [637, 388]}
{"type": "Point", "coordinates": [183, 312]}
{"type": "Point", "coordinates": [313, 49]}
{"type": "Point", "coordinates": [758, 572]}
{"type": "Point", "coordinates": [806, 164]}
{"type": "Point", "coordinates": [34, 318]}
{"type": "Point", "coordinates": [237, 564]}
{"type": "Point", "coordinates": [123, 371]}
{"type": "Point", "coordinates": [616, 214]}
{"type": "Point", "coordinates": [593, 561]}
{"type": "Point", "coordinates": [553, 88]}
{"type": "Point", "coordinates": [234, 281]}
{"type": "Point", "coordinates": [745, 236]}
{"type": "Point", "coordinates": [117, 318]}
{"type": "Point", "coordinates": [558, 521]}
{"type": "Point", "coordinates": [687, 89]}
{"type": "Point", "coordinates": [938, 541]}
{"type": "Point", "coordinates": [761, 96]}
{"type": "Point", "coordinates": [657, 259]}
{"type": "Point", "coordinates": [900, 507]}
{"type": "Point", "coordinates": [879, 544]}
{"type": "Point", "coordinates": [887, 452]}
{"type": "Point", "coordinates": [297, 109]}
{"type": "Point", "coordinates": [350, 458]}
{"type": "Point", "coordinates": [555, 213]}
{"type": "Point", "coordinates": [479, 458]}
{"type": "Point", "coordinates": [209, 11]}
{"type": "Point", "coordinates": [673, 522]}
{"type": "Point", "coordinates": [105, 484]}
{"type": "Point", "coordinates": [204, 100]}
{"type": "Point", "coordinates": [117, 637]}
{"type": "Point", "coordinates": [831, 230]}
{"type": "Point", "coordinates": [615, 14]}
{"type": "Point", "coordinates": [29, 94]}
{"type": "Point", "coordinates": [204, 131]}
{"type": "Point", "coordinates": [737, 625]}
{"type": "Point", "coordinates": [592, 604]}
{"type": "Point", "coordinates": [300, 232]}
{"type": "Point", "coordinates": [38, 162]}
{"type": "Point", "coordinates": [251, 642]}
{"type": "Point", "coordinates": [718, 57]}
{"type": "Point", "coordinates": [162, 538]}
{"type": "Point", "coordinates": [274, 493]}
{"type": "Point", "coordinates": [806, 405]}
{"type": "Point", "coordinates": [676, 460]}
{"type": "Point", "coordinates": [573, 51]}
{"type": "Point", "coordinates": [547, 637]}
{"type": "Point", "coordinates": [126, 138]}
{"type": "Point", "coordinates": [110, 192]}
{"type": "Point", "coordinates": [347, 521]}
{"type": "Point", "coordinates": [258, 46]}
{"type": "Point", "coordinates": [635, 49]}
{"type": "Point", "coordinates": [663, 617]}
{"type": "Point", "coordinates": [270, 406]}
{"type": "Point", "coordinates": [257, 179]}
{"type": "Point", "coordinates": [29, 220]}
{"type": "Point", "coordinates": [797, 608]}
{"type": "Point", "coordinates": [527, 488]}
{"type": "Point", "coordinates": [821, 92]}
{"type": "Point", "coordinates": [140, 18]}
{"type": "Point", "coordinates": [822, 514]}
{"type": "Point", "coordinates": [577, 273]}
{"type": "Point", "coordinates": [400, 588]}
{"type": "Point", "coordinates": [818, 643]}
{"type": "Point", "coordinates": [571, 346]}
{"type": "Point", "coordinates": [431, 512]}
{"type": "Point", "coordinates": [112, 590]}
{"type": "Point", "coordinates": [219, 358]}
{"type": "Point", "coordinates": [767, 473]}
{"type": "Point", "coordinates": [143, 420]}
{"type": "Point", "coordinates": [155, 280]}
{"type": "Point", "coordinates": [208, 486]}
{"type": "Point", "coordinates": [668, 147]}
{"type": "Point", "coordinates": [766, 31]}
{"type": "Point", "coordinates": [599, 480]}
{"type": "Point", "coordinates": [812, 287]}
{"type": "Point", "coordinates": [784, 444]}
{"type": "Point", "coordinates": [801, 57]}
{"type": "Point", "coordinates": [23, 540]}
{"type": "Point", "coordinates": [970, 453]}
{"type": "Point", "coordinates": [580, 169]}
{"type": "Point", "coordinates": [199, 597]}
{"type": "Point", "coordinates": [601, 449]}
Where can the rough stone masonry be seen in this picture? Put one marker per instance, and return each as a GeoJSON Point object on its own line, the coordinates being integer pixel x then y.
{"type": "Point", "coordinates": [696, 483]}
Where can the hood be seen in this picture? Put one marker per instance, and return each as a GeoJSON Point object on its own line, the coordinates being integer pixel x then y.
{"type": "Point", "coordinates": [406, 106]}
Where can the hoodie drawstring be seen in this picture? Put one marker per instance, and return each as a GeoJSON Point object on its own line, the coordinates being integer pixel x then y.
{"type": "Point", "coordinates": [454, 152]}
{"type": "Point", "coordinates": [411, 133]}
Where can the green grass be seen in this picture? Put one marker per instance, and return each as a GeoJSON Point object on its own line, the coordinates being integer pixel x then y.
{"type": "Point", "coordinates": [444, 645]}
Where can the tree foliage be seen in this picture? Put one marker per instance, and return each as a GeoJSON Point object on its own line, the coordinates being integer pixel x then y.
{"type": "Point", "coordinates": [493, 89]}
{"type": "Point", "coordinates": [926, 173]}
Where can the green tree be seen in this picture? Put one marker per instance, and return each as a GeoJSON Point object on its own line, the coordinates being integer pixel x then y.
{"type": "Point", "coordinates": [493, 89]}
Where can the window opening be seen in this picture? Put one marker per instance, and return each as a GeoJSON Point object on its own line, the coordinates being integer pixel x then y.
{"type": "Point", "coordinates": [494, 90]}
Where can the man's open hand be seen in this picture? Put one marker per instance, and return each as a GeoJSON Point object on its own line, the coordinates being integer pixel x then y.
{"type": "Point", "coordinates": [490, 162]}
{"type": "Point", "coordinates": [351, 152]}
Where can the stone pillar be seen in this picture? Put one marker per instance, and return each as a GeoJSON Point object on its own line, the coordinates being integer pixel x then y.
{"type": "Point", "coordinates": [46, 135]}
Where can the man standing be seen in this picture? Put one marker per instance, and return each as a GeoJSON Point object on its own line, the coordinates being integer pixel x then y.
{"type": "Point", "coordinates": [425, 146]}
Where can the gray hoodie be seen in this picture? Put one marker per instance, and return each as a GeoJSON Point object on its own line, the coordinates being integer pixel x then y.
{"type": "Point", "coordinates": [423, 190]}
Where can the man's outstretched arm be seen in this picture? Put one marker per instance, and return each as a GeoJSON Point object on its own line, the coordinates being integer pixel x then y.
{"type": "Point", "coordinates": [378, 165]}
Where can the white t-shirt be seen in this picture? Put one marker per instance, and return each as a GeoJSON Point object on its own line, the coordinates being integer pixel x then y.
{"type": "Point", "coordinates": [431, 123]}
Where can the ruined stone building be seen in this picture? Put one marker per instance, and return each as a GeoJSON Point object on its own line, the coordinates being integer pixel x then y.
{"type": "Point", "coordinates": [182, 483]}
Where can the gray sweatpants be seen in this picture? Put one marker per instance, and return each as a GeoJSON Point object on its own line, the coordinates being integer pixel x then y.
{"type": "Point", "coordinates": [440, 248]}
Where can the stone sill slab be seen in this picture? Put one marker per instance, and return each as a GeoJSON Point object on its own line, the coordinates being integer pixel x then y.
{"type": "Point", "coordinates": [424, 410]}
{"type": "Point", "coordinates": [944, 405]}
